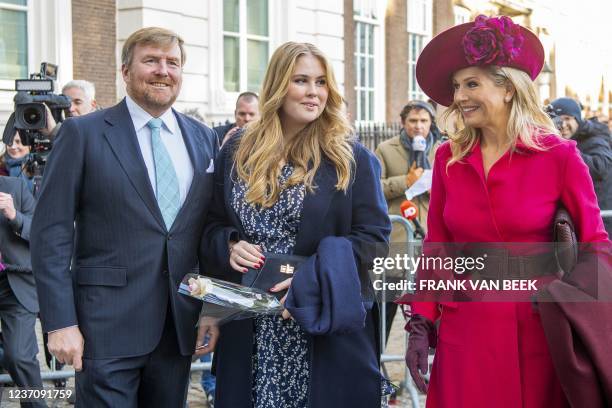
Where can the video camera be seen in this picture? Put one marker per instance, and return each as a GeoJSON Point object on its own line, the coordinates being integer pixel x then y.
{"type": "Point", "coordinates": [557, 121]}
{"type": "Point", "coordinates": [30, 115]}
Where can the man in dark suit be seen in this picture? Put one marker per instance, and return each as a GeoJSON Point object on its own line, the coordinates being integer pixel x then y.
{"type": "Point", "coordinates": [18, 301]}
{"type": "Point", "coordinates": [247, 110]}
{"type": "Point", "coordinates": [128, 188]}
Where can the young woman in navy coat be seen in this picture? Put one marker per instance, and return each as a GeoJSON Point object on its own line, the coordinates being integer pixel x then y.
{"type": "Point", "coordinates": [295, 182]}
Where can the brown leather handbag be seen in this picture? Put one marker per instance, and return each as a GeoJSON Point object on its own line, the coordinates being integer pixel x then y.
{"type": "Point", "coordinates": [566, 243]}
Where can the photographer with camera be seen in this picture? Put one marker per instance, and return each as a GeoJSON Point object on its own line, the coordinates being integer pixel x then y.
{"type": "Point", "coordinates": [32, 126]}
{"type": "Point", "coordinates": [82, 96]}
{"type": "Point", "coordinates": [16, 161]}
{"type": "Point", "coordinates": [18, 298]}
{"type": "Point", "coordinates": [594, 143]}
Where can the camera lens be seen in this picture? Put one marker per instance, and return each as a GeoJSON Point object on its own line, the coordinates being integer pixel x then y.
{"type": "Point", "coordinates": [31, 116]}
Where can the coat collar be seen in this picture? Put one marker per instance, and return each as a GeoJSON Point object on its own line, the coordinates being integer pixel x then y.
{"type": "Point", "coordinates": [474, 156]}
{"type": "Point", "coordinates": [315, 207]}
{"type": "Point", "coordinates": [474, 159]}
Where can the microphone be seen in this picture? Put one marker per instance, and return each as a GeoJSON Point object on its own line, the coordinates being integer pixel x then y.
{"type": "Point", "coordinates": [419, 145]}
{"type": "Point", "coordinates": [409, 211]}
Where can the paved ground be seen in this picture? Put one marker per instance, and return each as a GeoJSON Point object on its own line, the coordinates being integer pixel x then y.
{"type": "Point", "coordinates": [196, 398]}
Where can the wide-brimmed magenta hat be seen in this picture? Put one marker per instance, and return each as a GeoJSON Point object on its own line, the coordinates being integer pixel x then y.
{"type": "Point", "coordinates": [485, 41]}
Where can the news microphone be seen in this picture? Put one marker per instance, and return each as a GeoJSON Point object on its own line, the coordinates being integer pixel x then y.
{"type": "Point", "coordinates": [409, 211]}
{"type": "Point", "coordinates": [419, 145]}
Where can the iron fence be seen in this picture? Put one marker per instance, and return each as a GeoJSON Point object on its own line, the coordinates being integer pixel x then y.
{"type": "Point", "coordinates": [372, 134]}
{"type": "Point", "coordinates": [369, 134]}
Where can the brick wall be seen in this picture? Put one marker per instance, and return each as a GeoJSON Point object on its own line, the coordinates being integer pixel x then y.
{"type": "Point", "coordinates": [94, 37]}
{"type": "Point", "coordinates": [396, 59]}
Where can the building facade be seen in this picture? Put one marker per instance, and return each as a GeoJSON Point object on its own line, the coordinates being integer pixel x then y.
{"type": "Point", "coordinates": [373, 46]}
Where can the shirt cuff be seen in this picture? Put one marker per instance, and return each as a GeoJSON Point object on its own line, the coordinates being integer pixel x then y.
{"type": "Point", "coordinates": [56, 330]}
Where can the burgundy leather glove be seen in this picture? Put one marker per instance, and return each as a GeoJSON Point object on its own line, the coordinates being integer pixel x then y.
{"type": "Point", "coordinates": [422, 336]}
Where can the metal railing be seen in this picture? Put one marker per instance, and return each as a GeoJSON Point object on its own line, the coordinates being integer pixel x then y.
{"type": "Point", "coordinates": [369, 134]}
{"type": "Point", "coordinates": [407, 384]}
{"type": "Point", "coordinates": [372, 134]}
{"type": "Point", "coordinates": [65, 374]}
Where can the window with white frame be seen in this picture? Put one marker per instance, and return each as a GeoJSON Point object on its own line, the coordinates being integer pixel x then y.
{"type": "Point", "coordinates": [367, 26]}
{"type": "Point", "coordinates": [462, 15]}
{"type": "Point", "coordinates": [13, 39]}
{"type": "Point", "coordinates": [420, 17]}
{"type": "Point", "coordinates": [246, 43]}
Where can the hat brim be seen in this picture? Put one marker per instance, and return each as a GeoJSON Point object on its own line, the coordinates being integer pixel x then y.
{"type": "Point", "coordinates": [444, 55]}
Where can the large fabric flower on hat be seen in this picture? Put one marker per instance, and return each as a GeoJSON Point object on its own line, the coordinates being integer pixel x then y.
{"type": "Point", "coordinates": [492, 41]}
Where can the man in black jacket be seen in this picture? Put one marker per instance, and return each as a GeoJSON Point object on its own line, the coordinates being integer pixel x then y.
{"type": "Point", "coordinates": [594, 142]}
{"type": "Point", "coordinates": [247, 110]}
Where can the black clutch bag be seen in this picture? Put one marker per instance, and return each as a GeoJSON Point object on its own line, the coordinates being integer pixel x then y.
{"type": "Point", "coordinates": [276, 268]}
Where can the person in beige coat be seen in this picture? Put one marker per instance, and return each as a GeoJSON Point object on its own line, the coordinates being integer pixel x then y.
{"type": "Point", "coordinates": [401, 167]}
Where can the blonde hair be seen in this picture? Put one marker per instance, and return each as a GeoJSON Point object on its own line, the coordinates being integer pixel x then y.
{"type": "Point", "coordinates": [151, 36]}
{"type": "Point", "coordinates": [262, 146]}
{"type": "Point", "coordinates": [527, 121]}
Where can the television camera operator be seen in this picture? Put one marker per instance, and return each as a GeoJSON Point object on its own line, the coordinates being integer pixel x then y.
{"type": "Point", "coordinates": [34, 123]}
{"type": "Point", "coordinates": [82, 96]}
{"type": "Point", "coordinates": [28, 136]}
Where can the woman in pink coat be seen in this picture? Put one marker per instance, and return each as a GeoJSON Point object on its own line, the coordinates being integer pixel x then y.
{"type": "Point", "coordinates": [500, 178]}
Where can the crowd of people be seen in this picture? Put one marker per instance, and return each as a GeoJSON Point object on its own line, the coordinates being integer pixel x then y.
{"type": "Point", "coordinates": [137, 195]}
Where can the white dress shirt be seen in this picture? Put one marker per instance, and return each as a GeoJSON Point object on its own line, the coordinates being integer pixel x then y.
{"type": "Point", "coordinates": [172, 138]}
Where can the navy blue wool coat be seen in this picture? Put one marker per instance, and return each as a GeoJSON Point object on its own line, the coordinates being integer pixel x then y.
{"type": "Point", "coordinates": [344, 367]}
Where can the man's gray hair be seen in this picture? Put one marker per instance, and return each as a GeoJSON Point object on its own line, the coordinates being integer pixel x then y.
{"type": "Point", "coordinates": [87, 87]}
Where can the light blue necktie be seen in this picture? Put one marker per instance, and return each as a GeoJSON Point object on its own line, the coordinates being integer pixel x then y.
{"type": "Point", "coordinates": [166, 181]}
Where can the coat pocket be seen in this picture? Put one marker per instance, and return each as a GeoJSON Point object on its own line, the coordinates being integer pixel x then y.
{"type": "Point", "coordinates": [101, 275]}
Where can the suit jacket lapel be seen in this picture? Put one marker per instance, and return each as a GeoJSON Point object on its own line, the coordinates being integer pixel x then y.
{"type": "Point", "coordinates": [315, 207]}
{"type": "Point", "coordinates": [123, 141]}
{"type": "Point", "coordinates": [196, 155]}
{"type": "Point", "coordinates": [193, 144]}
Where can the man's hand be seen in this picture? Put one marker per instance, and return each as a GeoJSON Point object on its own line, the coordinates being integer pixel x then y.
{"type": "Point", "coordinates": [67, 346]}
{"type": "Point", "coordinates": [207, 330]}
{"type": "Point", "coordinates": [7, 206]}
{"type": "Point", "coordinates": [229, 134]}
{"type": "Point", "coordinates": [50, 123]}
{"type": "Point", "coordinates": [413, 174]}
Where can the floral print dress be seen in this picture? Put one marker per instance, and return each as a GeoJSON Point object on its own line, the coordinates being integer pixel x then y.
{"type": "Point", "coordinates": [281, 354]}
